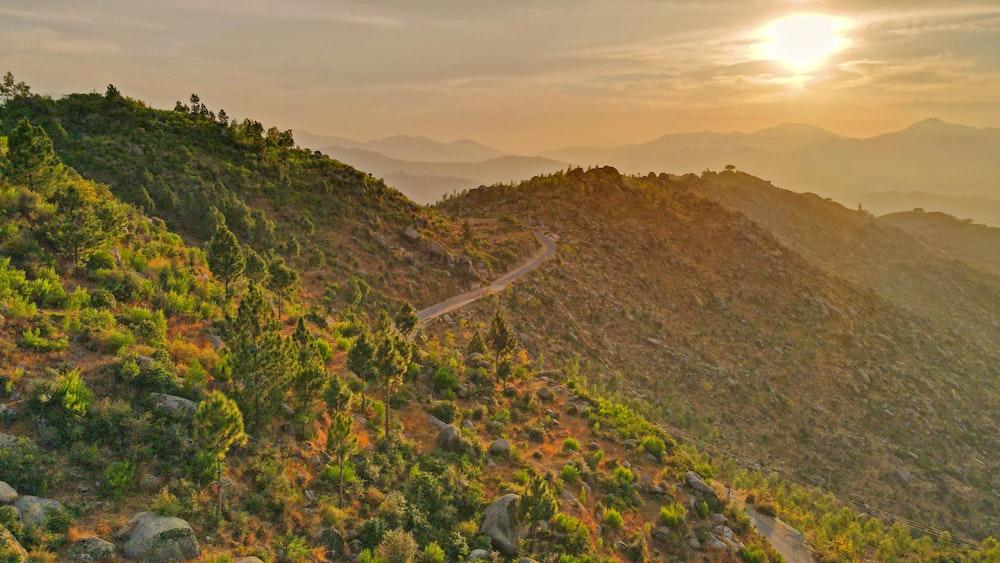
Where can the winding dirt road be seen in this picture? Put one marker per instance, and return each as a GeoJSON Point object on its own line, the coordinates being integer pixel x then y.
{"type": "Point", "coordinates": [787, 541]}
{"type": "Point", "coordinates": [546, 251]}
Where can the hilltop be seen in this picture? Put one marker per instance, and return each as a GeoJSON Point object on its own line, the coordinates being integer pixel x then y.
{"type": "Point", "coordinates": [741, 328]}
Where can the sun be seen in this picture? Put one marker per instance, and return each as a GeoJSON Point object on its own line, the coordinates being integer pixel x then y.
{"type": "Point", "coordinates": [803, 42]}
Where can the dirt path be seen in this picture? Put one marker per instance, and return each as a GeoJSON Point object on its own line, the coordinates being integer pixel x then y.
{"type": "Point", "coordinates": [547, 250]}
{"type": "Point", "coordinates": [787, 541]}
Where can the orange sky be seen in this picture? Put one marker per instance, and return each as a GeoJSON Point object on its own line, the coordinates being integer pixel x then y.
{"type": "Point", "coordinates": [523, 76]}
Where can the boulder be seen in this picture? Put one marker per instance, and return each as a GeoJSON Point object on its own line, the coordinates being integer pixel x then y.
{"type": "Point", "coordinates": [411, 234]}
{"type": "Point", "coordinates": [477, 361]}
{"type": "Point", "coordinates": [500, 523]}
{"type": "Point", "coordinates": [11, 548]}
{"type": "Point", "coordinates": [159, 539]}
{"type": "Point", "coordinates": [7, 493]}
{"type": "Point", "coordinates": [436, 249]}
{"type": "Point", "coordinates": [248, 559]}
{"type": "Point", "coordinates": [545, 394]}
{"type": "Point", "coordinates": [92, 548]}
{"type": "Point", "coordinates": [437, 422]}
{"type": "Point", "coordinates": [33, 510]}
{"type": "Point", "coordinates": [449, 439]}
{"type": "Point", "coordinates": [174, 405]}
{"type": "Point", "coordinates": [478, 555]}
{"type": "Point", "coordinates": [500, 447]}
{"type": "Point", "coordinates": [7, 413]}
{"type": "Point", "coordinates": [695, 482]}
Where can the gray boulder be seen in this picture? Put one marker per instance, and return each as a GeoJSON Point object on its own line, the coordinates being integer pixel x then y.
{"type": "Point", "coordinates": [500, 448]}
{"type": "Point", "coordinates": [92, 548]}
{"type": "Point", "coordinates": [250, 559]}
{"type": "Point", "coordinates": [436, 249]}
{"type": "Point", "coordinates": [477, 361]}
{"type": "Point", "coordinates": [501, 524]}
{"type": "Point", "coordinates": [159, 539]}
{"type": "Point", "coordinates": [695, 482]}
{"type": "Point", "coordinates": [174, 405]}
{"type": "Point", "coordinates": [33, 510]}
{"type": "Point", "coordinates": [449, 439]}
{"type": "Point", "coordinates": [411, 234]}
{"type": "Point", "coordinates": [545, 394]}
{"type": "Point", "coordinates": [11, 547]}
{"type": "Point", "coordinates": [7, 493]}
{"type": "Point", "coordinates": [478, 555]}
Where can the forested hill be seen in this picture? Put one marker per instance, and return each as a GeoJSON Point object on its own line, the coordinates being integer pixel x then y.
{"type": "Point", "coordinates": [195, 169]}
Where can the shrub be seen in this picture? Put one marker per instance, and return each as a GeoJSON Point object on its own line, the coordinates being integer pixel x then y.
{"type": "Point", "coordinates": [570, 445]}
{"type": "Point", "coordinates": [371, 532]}
{"type": "Point", "coordinates": [594, 458]}
{"type": "Point", "coordinates": [34, 339]}
{"type": "Point", "coordinates": [577, 538]}
{"type": "Point", "coordinates": [444, 378]}
{"type": "Point", "coordinates": [58, 521]}
{"type": "Point", "coordinates": [703, 509]}
{"type": "Point", "coordinates": [432, 554]}
{"type": "Point", "coordinates": [613, 519]}
{"type": "Point", "coordinates": [653, 445]}
{"type": "Point", "coordinates": [623, 476]}
{"type": "Point", "coordinates": [673, 515]}
{"type": "Point", "coordinates": [149, 326]}
{"type": "Point", "coordinates": [570, 473]}
{"type": "Point", "coordinates": [446, 411]}
{"type": "Point", "coordinates": [118, 478]}
{"type": "Point", "coordinates": [752, 554]}
{"type": "Point", "coordinates": [398, 546]}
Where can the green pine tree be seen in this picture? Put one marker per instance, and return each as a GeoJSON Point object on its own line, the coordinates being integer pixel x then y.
{"type": "Point", "coordinates": [392, 358]}
{"type": "Point", "coordinates": [259, 358]}
{"type": "Point", "coordinates": [406, 318]}
{"type": "Point", "coordinates": [30, 157]}
{"type": "Point", "coordinates": [537, 504]}
{"type": "Point", "coordinates": [282, 280]}
{"type": "Point", "coordinates": [476, 345]}
{"type": "Point", "coordinates": [360, 360]}
{"type": "Point", "coordinates": [218, 425]}
{"type": "Point", "coordinates": [341, 442]}
{"type": "Point", "coordinates": [500, 339]}
{"type": "Point", "coordinates": [225, 258]}
{"type": "Point", "coordinates": [310, 375]}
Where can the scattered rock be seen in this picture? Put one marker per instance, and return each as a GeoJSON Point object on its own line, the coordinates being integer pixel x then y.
{"type": "Point", "coordinates": [478, 555]}
{"type": "Point", "coordinates": [716, 543]}
{"type": "Point", "coordinates": [8, 413]}
{"type": "Point", "coordinates": [249, 559]}
{"type": "Point", "coordinates": [717, 519]}
{"type": "Point", "coordinates": [33, 510]}
{"type": "Point", "coordinates": [411, 234]}
{"type": "Point", "coordinates": [437, 422]}
{"type": "Point", "coordinates": [449, 259]}
{"type": "Point", "coordinates": [449, 439]}
{"type": "Point", "coordinates": [174, 405]}
{"type": "Point", "coordinates": [694, 543]}
{"type": "Point", "coordinates": [545, 394]}
{"type": "Point", "coordinates": [620, 545]}
{"type": "Point", "coordinates": [11, 548]}
{"type": "Point", "coordinates": [160, 539]}
{"type": "Point", "coordinates": [7, 493]}
{"type": "Point", "coordinates": [500, 448]}
{"type": "Point", "coordinates": [695, 482]}
{"type": "Point", "coordinates": [92, 548]}
{"type": "Point", "coordinates": [380, 240]}
{"type": "Point", "coordinates": [468, 425]}
{"type": "Point", "coordinates": [501, 524]}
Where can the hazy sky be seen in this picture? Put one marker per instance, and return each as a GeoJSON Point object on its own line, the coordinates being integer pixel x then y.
{"type": "Point", "coordinates": [521, 75]}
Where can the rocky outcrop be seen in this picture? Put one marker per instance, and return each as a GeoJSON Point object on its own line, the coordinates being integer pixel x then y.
{"type": "Point", "coordinates": [695, 482]}
{"type": "Point", "coordinates": [33, 510]}
{"type": "Point", "coordinates": [411, 234]}
{"type": "Point", "coordinates": [500, 448]}
{"type": "Point", "coordinates": [450, 439]}
{"type": "Point", "coordinates": [178, 406]}
{"type": "Point", "coordinates": [159, 539]}
{"type": "Point", "coordinates": [501, 524]}
{"type": "Point", "coordinates": [476, 360]}
{"type": "Point", "coordinates": [7, 493]}
{"type": "Point", "coordinates": [92, 548]}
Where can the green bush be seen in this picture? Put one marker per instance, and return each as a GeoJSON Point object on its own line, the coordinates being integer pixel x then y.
{"type": "Point", "coordinates": [653, 445]}
{"type": "Point", "coordinates": [570, 445]}
{"type": "Point", "coordinates": [570, 473]}
{"type": "Point", "coordinates": [576, 537]}
{"type": "Point", "coordinates": [444, 378]}
{"type": "Point", "coordinates": [446, 411]}
{"type": "Point", "coordinates": [118, 477]}
{"type": "Point", "coordinates": [34, 340]}
{"type": "Point", "coordinates": [673, 515]}
{"type": "Point", "coordinates": [432, 553]}
{"type": "Point", "coordinates": [613, 519]}
{"type": "Point", "coordinates": [148, 325]}
{"type": "Point", "coordinates": [58, 521]}
{"type": "Point", "coordinates": [752, 554]}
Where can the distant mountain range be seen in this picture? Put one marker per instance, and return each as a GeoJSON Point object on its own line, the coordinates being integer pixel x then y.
{"type": "Point", "coordinates": [931, 164]}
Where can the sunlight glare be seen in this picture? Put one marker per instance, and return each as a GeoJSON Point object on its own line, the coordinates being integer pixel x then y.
{"type": "Point", "coordinates": [802, 42]}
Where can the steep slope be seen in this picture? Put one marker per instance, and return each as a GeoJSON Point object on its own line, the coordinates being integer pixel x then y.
{"type": "Point", "coordinates": [726, 330]}
{"type": "Point", "coordinates": [975, 244]}
{"type": "Point", "coordinates": [195, 171]}
{"type": "Point", "coordinates": [869, 253]}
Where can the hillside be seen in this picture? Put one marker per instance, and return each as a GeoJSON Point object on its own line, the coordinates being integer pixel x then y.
{"type": "Point", "coordinates": [331, 222]}
{"type": "Point", "coordinates": [903, 270]}
{"type": "Point", "coordinates": [724, 328]}
{"type": "Point", "coordinates": [973, 243]}
{"type": "Point", "coordinates": [130, 380]}
{"type": "Point", "coordinates": [407, 147]}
